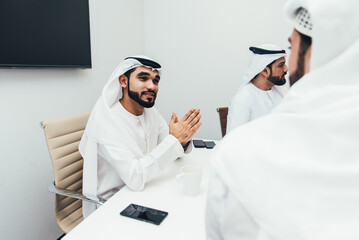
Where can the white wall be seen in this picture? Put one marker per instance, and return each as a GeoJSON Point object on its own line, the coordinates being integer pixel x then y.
{"type": "Point", "coordinates": [28, 96]}
{"type": "Point", "coordinates": [203, 48]}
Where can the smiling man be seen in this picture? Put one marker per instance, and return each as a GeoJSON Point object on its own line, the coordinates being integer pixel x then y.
{"type": "Point", "coordinates": [126, 141]}
{"type": "Point", "coordinates": [261, 91]}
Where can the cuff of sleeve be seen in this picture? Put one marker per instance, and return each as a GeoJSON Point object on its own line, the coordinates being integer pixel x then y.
{"type": "Point", "coordinates": [189, 147]}
{"type": "Point", "coordinates": [176, 145]}
{"type": "Point", "coordinates": [167, 151]}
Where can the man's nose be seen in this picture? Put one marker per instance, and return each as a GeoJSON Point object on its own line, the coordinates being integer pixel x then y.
{"type": "Point", "coordinates": [285, 68]}
{"type": "Point", "coordinates": [150, 85]}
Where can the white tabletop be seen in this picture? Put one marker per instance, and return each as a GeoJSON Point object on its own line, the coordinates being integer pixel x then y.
{"type": "Point", "coordinates": [185, 218]}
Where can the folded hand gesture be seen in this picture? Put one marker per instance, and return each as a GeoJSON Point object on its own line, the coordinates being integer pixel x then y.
{"type": "Point", "coordinates": [185, 128]}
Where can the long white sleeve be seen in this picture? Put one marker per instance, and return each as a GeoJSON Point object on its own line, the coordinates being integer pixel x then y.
{"type": "Point", "coordinates": [135, 172]}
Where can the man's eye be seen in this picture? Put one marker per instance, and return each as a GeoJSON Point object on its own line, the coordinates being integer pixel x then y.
{"type": "Point", "coordinates": [143, 78]}
{"type": "Point", "coordinates": [156, 81]}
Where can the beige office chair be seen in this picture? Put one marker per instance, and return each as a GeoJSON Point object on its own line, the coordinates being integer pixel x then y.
{"type": "Point", "coordinates": [63, 136]}
{"type": "Point", "coordinates": [223, 112]}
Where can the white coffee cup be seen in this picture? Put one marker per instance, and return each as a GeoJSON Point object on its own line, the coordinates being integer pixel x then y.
{"type": "Point", "coordinates": [190, 176]}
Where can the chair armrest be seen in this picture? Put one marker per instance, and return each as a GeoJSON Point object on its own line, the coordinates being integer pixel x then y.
{"type": "Point", "coordinates": [74, 194]}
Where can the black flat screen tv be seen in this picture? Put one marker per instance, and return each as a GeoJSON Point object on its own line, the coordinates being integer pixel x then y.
{"type": "Point", "coordinates": [45, 33]}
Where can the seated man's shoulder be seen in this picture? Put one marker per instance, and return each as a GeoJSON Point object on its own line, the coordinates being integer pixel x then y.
{"type": "Point", "coordinates": [242, 94]}
{"type": "Point", "coordinates": [235, 146]}
{"type": "Point", "coordinates": [244, 90]}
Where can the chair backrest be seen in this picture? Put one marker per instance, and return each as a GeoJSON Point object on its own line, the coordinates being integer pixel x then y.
{"type": "Point", "coordinates": [223, 112]}
{"type": "Point", "coordinates": [63, 136]}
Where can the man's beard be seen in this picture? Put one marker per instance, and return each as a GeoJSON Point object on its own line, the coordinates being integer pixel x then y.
{"type": "Point", "coordinates": [279, 81]}
{"type": "Point", "coordinates": [137, 98]}
{"type": "Point", "coordinates": [305, 43]}
{"type": "Point", "coordinates": [299, 72]}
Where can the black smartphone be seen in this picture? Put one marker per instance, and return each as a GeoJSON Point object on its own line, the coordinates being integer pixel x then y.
{"type": "Point", "coordinates": [209, 144]}
{"type": "Point", "coordinates": [198, 143]}
{"type": "Point", "coordinates": [145, 214]}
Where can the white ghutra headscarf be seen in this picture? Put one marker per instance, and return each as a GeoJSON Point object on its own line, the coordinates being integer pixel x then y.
{"type": "Point", "coordinates": [112, 91]}
{"type": "Point", "coordinates": [260, 59]}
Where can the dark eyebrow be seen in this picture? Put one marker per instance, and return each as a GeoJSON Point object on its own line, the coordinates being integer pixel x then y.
{"type": "Point", "coordinates": [143, 74]}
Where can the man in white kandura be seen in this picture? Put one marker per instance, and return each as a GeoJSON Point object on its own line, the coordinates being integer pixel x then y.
{"type": "Point", "coordinates": [126, 141]}
{"type": "Point", "coordinates": [261, 91]}
{"type": "Point", "coordinates": [303, 181]}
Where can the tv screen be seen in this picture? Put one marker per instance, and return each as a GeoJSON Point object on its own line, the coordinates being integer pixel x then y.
{"type": "Point", "coordinates": [45, 33]}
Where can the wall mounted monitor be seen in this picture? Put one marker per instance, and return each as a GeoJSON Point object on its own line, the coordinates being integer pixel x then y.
{"type": "Point", "coordinates": [45, 33]}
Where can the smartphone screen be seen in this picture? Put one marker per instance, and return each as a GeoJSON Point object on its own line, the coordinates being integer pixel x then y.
{"type": "Point", "coordinates": [198, 143]}
{"type": "Point", "coordinates": [209, 144]}
{"type": "Point", "coordinates": [144, 214]}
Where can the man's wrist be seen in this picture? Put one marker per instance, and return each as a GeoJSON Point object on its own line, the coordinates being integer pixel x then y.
{"type": "Point", "coordinates": [186, 146]}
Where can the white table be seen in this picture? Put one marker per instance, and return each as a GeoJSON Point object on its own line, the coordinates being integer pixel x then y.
{"type": "Point", "coordinates": [185, 218]}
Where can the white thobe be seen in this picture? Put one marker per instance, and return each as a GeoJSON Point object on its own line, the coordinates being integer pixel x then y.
{"type": "Point", "coordinates": [226, 218]}
{"type": "Point", "coordinates": [130, 150]}
{"type": "Point", "coordinates": [250, 103]}
{"type": "Point", "coordinates": [294, 173]}
{"type": "Point", "coordinates": [124, 165]}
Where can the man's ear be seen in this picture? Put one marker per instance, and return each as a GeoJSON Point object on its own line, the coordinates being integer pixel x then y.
{"type": "Point", "coordinates": [266, 72]}
{"type": "Point", "coordinates": [123, 81]}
